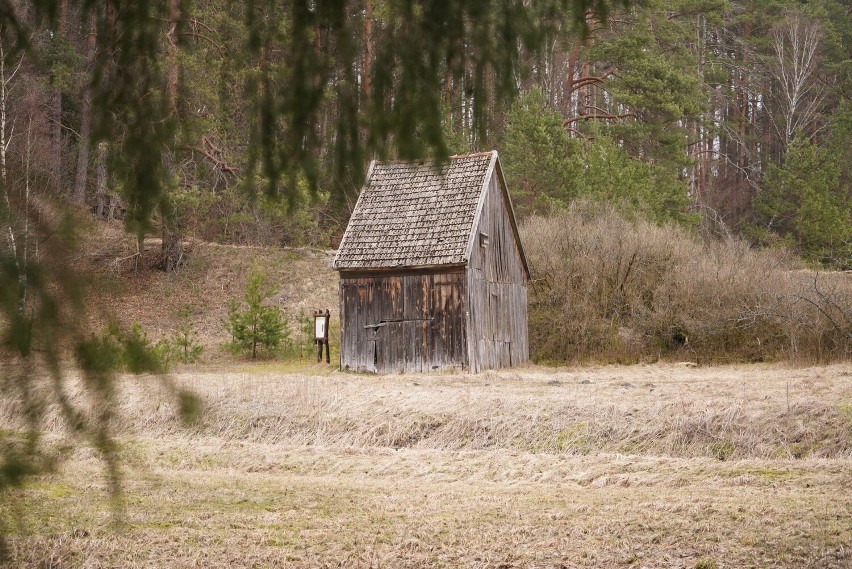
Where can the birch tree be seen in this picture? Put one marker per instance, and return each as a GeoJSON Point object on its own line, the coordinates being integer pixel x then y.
{"type": "Point", "coordinates": [17, 237]}
{"type": "Point", "coordinates": [796, 44]}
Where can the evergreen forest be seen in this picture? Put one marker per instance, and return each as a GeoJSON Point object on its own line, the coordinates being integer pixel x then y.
{"type": "Point", "coordinates": [253, 123]}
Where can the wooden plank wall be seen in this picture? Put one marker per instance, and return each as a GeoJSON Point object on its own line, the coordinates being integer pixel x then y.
{"type": "Point", "coordinates": [497, 291]}
{"type": "Point", "coordinates": [403, 322]}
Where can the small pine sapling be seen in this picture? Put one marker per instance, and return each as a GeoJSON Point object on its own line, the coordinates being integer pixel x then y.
{"type": "Point", "coordinates": [183, 344]}
{"type": "Point", "coordinates": [258, 324]}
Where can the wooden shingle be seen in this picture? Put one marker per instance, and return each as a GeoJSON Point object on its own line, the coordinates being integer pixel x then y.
{"type": "Point", "coordinates": [415, 214]}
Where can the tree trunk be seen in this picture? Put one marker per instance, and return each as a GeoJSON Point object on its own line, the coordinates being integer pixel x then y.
{"type": "Point", "coordinates": [85, 122]}
{"type": "Point", "coordinates": [571, 109]}
{"type": "Point", "coordinates": [171, 56]}
{"type": "Point", "coordinates": [3, 97]}
{"type": "Point", "coordinates": [101, 182]}
{"type": "Point", "coordinates": [368, 51]}
{"type": "Point", "coordinates": [696, 189]}
{"type": "Point", "coordinates": [9, 230]}
{"type": "Point", "coordinates": [171, 250]}
{"type": "Point", "coordinates": [57, 107]}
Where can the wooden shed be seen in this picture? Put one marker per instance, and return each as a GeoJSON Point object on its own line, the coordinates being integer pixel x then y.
{"type": "Point", "coordinates": [432, 273]}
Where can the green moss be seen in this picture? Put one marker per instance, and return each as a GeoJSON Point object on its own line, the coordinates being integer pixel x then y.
{"type": "Point", "coordinates": [764, 473]}
{"type": "Point", "coordinates": [722, 450]}
{"type": "Point", "coordinates": [574, 439]}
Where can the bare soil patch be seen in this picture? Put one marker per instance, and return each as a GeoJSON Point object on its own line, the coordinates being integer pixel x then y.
{"type": "Point", "coordinates": [130, 288]}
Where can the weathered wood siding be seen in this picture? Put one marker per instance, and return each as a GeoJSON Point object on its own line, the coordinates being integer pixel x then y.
{"type": "Point", "coordinates": [497, 290]}
{"type": "Point", "coordinates": [404, 322]}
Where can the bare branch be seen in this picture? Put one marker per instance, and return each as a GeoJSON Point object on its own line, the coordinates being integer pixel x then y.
{"type": "Point", "coordinates": [198, 35]}
{"type": "Point", "coordinates": [602, 116]}
{"type": "Point", "coordinates": [796, 45]}
{"type": "Point", "coordinates": [210, 154]}
{"type": "Point", "coordinates": [15, 72]}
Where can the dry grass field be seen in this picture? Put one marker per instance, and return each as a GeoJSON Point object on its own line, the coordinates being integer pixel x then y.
{"type": "Point", "coordinates": [642, 466]}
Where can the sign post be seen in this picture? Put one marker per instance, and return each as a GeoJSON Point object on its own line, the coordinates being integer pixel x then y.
{"type": "Point", "coordinates": [321, 321]}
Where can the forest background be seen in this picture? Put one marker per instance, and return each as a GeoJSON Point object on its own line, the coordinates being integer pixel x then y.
{"type": "Point", "coordinates": [704, 144]}
{"type": "Point", "coordinates": [732, 118]}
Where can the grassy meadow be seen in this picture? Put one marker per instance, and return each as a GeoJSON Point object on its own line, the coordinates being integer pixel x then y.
{"type": "Point", "coordinates": [663, 465]}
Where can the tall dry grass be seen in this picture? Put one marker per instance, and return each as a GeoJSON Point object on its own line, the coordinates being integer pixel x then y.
{"type": "Point", "coordinates": [530, 468]}
{"type": "Point", "coordinates": [607, 288]}
{"type": "Point", "coordinates": [661, 410]}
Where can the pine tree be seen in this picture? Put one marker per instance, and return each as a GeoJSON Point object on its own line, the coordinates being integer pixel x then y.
{"type": "Point", "coordinates": [538, 156]}
{"type": "Point", "coordinates": [258, 324]}
{"type": "Point", "coordinates": [804, 206]}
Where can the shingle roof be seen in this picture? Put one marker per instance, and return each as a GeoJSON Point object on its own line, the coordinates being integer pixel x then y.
{"type": "Point", "coordinates": [413, 214]}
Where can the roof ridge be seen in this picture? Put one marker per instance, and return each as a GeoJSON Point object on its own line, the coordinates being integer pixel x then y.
{"type": "Point", "coordinates": [471, 154]}
{"type": "Point", "coordinates": [423, 161]}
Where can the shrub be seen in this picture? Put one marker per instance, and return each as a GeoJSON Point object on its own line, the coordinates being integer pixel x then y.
{"type": "Point", "coordinates": [608, 288]}
{"type": "Point", "coordinates": [117, 348]}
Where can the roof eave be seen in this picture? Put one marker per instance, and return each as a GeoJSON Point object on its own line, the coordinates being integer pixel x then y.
{"type": "Point", "coordinates": [360, 195]}
{"type": "Point", "coordinates": [505, 190]}
{"type": "Point", "coordinates": [401, 268]}
{"type": "Point", "coordinates": [483, 192]}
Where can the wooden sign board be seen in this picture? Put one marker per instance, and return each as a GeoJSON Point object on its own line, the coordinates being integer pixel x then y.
{"type": "Point", "coordinates": [320, 332]}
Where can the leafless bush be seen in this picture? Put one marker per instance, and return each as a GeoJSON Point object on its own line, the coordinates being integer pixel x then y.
{"type": "Point", "coordinates": [608, 288]}
{"type": "Point", "coordinates": [819, 312]}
